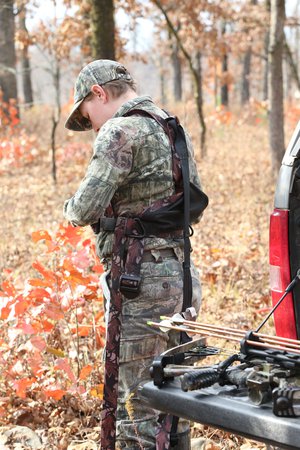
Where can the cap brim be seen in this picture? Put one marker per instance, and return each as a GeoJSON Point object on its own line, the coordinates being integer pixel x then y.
{"type": "Point", "coordinates": [76, 121]}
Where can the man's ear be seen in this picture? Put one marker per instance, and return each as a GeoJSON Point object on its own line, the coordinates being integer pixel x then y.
{"type": "Point", "coordinates": [99, 91]}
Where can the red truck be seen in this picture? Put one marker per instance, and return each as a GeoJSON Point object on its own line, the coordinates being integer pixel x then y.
{"type": "Point", "coordinates": [285, 241]}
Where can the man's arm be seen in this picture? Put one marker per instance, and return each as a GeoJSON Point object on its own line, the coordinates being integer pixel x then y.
{"type": "Point", "coordinates": [107, 170]}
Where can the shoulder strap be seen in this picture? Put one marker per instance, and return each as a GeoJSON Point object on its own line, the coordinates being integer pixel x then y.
{"type": "Point", "coordinates": [175, 132]}
{"type": "Point", "coordinates": [181, 149]}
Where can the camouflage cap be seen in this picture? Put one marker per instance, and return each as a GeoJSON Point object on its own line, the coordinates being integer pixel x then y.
{"type": "Point", "coordinates": [98, 72]}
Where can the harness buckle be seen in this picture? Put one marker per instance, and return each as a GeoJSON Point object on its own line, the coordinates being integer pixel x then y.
{"type": "Point", "coordinates": [138, 231]}
{"type": "Point", "coordinates": [130, 285]}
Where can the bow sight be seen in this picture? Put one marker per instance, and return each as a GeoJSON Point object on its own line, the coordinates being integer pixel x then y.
{"type": "Point", "coordinates": [266, 367]}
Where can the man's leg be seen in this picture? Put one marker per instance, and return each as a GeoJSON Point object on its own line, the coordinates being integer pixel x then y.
{"type": "Point", "coordinates": [161, 294]}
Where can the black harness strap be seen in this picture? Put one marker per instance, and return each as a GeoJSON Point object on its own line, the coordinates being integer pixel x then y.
{"type": "Point", "coordinates": [181, 149]}
{"type": "Point", "coordinates": [176, 135]}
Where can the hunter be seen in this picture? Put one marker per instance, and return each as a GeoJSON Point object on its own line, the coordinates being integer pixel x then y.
{"type": "Point", "coordinates": [131, 170]}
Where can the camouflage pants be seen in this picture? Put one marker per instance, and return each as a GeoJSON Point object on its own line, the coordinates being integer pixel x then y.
{"type": "Point", "coordinates": [161, 294]}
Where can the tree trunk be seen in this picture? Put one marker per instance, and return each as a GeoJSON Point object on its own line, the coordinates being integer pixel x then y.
{"type": "Point", "coordinates": [196, 76]}
{"type": "Point", "coordinates": [216, 86]}
{"type": "Point", "coordinates": [8, 82]}
{"type": "Point", "coordinates": [276, 117]}
{"type": "Point", "coordinates": [25, 61]}
{"type": "Point", "coordinates": [177, 72]}
{"type": "Point", "coordinates": [199, 101]}
{"type": "Point", "coordinates": [224, 86]}
{"type": "Point", "coordinates": [266, 49]}
{"type": "Point", "coordinates": [245, 88]}
{"type": "Point", "coordinates": [162, 80]}
{"type": "Point", "coordinates": [266, 67]}
{"type": "Point", "coordinates": [103, 29]}
{"type": "Point", "coordinates": [297, 37]}
{"type": "Point", "coordinates": [56, 113]}
{"type": "Point", "coordinates": [291, 63]}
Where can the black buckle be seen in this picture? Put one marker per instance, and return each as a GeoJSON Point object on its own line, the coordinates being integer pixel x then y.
{"type": "Point", "coordinates": [130, 285]}
{"type": "Point", "coordinates": [139, 229]}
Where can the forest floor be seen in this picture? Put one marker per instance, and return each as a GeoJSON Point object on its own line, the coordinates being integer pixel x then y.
{"type": "Point", "coordinates": [230, 244]}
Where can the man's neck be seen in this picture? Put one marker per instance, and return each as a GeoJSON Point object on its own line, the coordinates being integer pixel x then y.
{"type": "Point", "coordinates": [118, 102]}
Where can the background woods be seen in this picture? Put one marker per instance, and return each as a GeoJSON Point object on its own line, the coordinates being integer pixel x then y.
{"type": "Point", "coordinates": [230, 71]}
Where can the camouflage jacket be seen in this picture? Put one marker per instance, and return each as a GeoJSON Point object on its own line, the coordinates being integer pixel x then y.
{"type": "Point", "coordinates": [130, 168]}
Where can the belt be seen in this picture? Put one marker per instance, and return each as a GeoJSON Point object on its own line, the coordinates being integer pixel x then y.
{"type": "Point", "coordinates": [165, 253]}
{"type": "Point", "coordinates": [109, 224]}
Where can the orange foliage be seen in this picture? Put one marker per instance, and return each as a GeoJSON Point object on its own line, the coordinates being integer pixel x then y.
{"type": "Point", "coordinates": [43, 324]}
{"type": "Point", "coordinates": [253, 113]}
{"type": "Point", "coordinates": [220, 116]}
{"type": "Point", "coordinates": [16, 146]}
{"type": "Point", "coordinates": [8, 113]}
{"type": "Point", "coordinates": [56, 394]}
{"type": "Point", "coordinates": [58, 39]}
{"type": "Point", "coordinates": [85, 371]}
{"type": "Point", "coordinates": [22, 385]}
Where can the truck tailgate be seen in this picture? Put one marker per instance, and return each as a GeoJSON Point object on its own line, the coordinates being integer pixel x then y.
{"type": "Point", "coordinates": [225, 408]}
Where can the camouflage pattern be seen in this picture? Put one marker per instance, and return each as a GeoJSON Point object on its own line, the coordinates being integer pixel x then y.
{"type": "Point", "coordinates": [144, 345]}
{"type": "Point", "coordinates": [161, 294]}
{"type": "Point", "coordinates": [97, 72]}
{"type": "Point", "coordinates": [131, 167]}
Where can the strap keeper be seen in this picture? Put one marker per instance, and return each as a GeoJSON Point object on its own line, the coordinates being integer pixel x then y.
{"type": "Point", "coordinates": [130, 285]}
{"type": "Point", "coordinates": [104, 224]}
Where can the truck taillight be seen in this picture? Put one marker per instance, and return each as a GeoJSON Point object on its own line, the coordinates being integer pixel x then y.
{"type": "Point", "coordinates": [280, 277]}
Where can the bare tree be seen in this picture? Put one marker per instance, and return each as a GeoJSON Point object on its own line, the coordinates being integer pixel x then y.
{"type": "Point", "coordinates": [224, 85]}
{"type": "Point", "coordinates": [266, 65]}
{"type": "Point", "coordinates": [297, 35]}
{"type": "Point", "coordinates": [195, 69]}
{"type": "Point", "coordinates": [245, 87]}
{"type": "Point", "coordinates": [25, 61]}
{"type": "Point", "coordinates": [8, 82]}
{"type": "Point", "coordinates": [103, 29]}
{"type": "Point", "coordinates": [291, 63]}
{"type": "Point", "coordinates": [48, 40]}
{"type": "Point", "coordinates": [267, 5]}
{"type": "Point", "coordinates": [176, 63]}
{"type": "Point", "coordinates": [276, 117]}
{"type": "Point", "coordinates": [162, 79]}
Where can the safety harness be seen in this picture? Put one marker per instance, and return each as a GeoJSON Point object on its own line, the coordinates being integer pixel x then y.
{"type": "Point", "coordinates": [168, 217]}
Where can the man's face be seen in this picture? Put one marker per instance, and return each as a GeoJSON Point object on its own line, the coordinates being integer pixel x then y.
{"type": "Point", "coordinates": [96, 109]}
